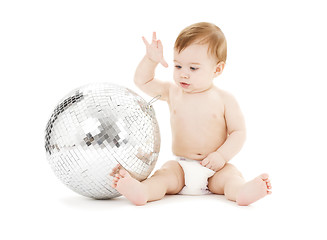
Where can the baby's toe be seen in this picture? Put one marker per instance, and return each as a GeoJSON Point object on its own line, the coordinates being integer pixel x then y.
{"type": "Point", "coordinates": [122, 172]}
{"type": "Point", "coordinates": [265, 177]}
{"type": "Point", "coordinates": [115, 169]}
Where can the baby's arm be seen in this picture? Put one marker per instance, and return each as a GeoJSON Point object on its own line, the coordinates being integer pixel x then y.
{"type": "Point", "coordinates": [236, 136]}
{"type": "Point", "coordinates": [235, 128]}
{"type": "Point", "coordinates": [144, 75]}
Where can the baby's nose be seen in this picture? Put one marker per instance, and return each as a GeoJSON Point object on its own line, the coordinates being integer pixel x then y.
{"type": "Point", "coordinates": [185, 76]}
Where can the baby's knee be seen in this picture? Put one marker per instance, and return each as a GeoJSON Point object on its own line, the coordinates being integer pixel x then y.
{"type": "Point", "coordinates": [230, 169]}
{"type": "Point", "coordinates": [175, 176]}
{"type": "Point", "coordinates": [170, 164]}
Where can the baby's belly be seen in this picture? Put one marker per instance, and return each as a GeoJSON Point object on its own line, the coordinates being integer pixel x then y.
{"type": "Point", "coordinates": [197, 145]}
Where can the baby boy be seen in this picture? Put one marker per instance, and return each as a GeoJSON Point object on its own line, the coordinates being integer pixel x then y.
{"type": "Point", "coordinates": [207, 125]}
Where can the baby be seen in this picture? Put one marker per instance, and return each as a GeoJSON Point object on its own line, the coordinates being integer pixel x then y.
{"type": "Point", "coordinates": [208, 128]}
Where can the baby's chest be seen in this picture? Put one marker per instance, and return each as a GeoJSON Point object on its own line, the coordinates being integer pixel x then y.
{"type": "Point", "coordinates": [204, 112]}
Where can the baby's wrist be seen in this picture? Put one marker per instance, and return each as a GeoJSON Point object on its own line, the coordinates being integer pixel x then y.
{"type": "Point", "coordinates": [151, 60]}
{"type": "Point", "coordinates": [221, 156]}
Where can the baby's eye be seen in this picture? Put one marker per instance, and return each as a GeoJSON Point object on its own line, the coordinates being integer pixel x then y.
{"type": "Point", "coordinates": [194, 68]}
{"type": "Point", "coordinates": [178, 66]}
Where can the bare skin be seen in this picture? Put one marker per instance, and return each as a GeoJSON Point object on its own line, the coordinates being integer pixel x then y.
{"type": "Point", "coordinates": [207, 125]}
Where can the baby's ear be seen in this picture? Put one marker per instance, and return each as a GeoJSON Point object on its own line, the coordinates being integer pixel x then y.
{"type": "Point", "coordinates": [219, 68]}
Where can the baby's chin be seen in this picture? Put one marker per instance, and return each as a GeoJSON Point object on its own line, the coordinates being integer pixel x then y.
{"type": "Point", "coordinates": [196, 90]}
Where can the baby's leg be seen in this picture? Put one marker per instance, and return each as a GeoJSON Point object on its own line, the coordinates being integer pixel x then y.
{"type": "Point", "coordinates": [229, 181]}
{"type": "Point", "coordinates": [167, 180]}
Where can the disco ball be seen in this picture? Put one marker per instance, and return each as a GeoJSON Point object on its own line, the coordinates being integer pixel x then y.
{"type": "Point", "coordinates": [94, 128]}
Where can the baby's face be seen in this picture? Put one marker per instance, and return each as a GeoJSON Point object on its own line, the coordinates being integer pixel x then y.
{"type": "Point", "coordinates": [194, 68]}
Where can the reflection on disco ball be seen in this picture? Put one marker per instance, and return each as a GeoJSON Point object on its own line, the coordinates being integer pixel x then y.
{"type": "Point", "coordinates": [94, 128]}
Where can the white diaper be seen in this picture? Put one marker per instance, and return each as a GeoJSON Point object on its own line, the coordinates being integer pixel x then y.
{"type": "Point", "coordinates": [196, 177]}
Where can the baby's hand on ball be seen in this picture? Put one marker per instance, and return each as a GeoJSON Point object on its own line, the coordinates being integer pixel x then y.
{"type": "Point", "coordinates": [214, 161]}
{"type": "Point", "coordinates": [154, 51]}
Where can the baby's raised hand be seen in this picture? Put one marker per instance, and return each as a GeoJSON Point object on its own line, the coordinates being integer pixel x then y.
{"type": "Point", "coordinates": [154, 51]}
{"type": "Point", "coordinates": [214, 161]}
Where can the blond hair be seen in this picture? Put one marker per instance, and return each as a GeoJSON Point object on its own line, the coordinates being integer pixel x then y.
{"type": "Point", "coordinates": [203, 33]}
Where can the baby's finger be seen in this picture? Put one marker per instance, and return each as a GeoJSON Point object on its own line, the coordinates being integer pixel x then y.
{"type": "Point", "coordinates": [160, 45]}
{"type": "Point", "coordinates": [204, 162]}
{"type": "Point", "coordinates": [164, 63]}
{"type": "Point", "coordinates": [154, 37]}
{"type": "Point", "coordinates": [209, 166]}
{"type": "Point", "coordinates": [145, 41]}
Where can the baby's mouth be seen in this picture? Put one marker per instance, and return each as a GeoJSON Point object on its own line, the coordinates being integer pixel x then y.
{"type": "Point", "coordinates": [184, 85]}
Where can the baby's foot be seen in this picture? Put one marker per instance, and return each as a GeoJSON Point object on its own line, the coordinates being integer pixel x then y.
{"type": "Point", "coordinates": [129, 187]}
{"type": "Point", "coordinates": [254, 190]}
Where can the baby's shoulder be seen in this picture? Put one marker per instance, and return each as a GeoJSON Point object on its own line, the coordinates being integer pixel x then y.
{"type": "Point", "coordinates": [225, 95]}
{"type": "Point", "coordinates": [229, 100]}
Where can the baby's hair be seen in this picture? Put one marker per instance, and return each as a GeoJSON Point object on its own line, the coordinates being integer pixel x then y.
{"type": "Point", "coordinates": [203, 33]}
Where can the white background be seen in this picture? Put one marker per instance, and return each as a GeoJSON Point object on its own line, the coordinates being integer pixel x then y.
{"type": "Point", "coordinates": [275, 68]}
